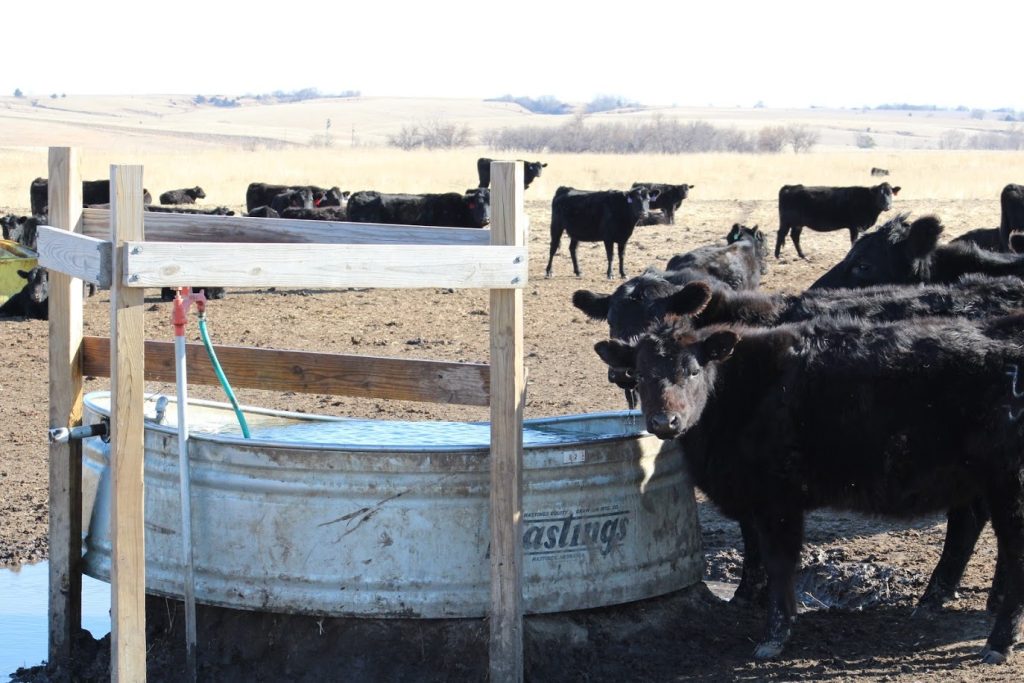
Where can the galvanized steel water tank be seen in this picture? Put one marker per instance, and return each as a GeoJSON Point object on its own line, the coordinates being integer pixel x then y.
{"type": "Point", "coordinates": [331, 516]}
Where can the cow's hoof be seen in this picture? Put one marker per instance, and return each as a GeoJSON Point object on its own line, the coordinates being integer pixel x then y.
{"type": "Point", "coordinates": [768, 650]}
{"type": "Point", "coordinates": [990, 656]}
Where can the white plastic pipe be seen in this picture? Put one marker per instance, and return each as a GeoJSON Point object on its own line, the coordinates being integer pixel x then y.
{"type": "Point", "coordinates": [185, 489]}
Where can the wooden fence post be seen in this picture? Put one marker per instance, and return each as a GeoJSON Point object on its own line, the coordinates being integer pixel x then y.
{"type": "Point", "coordinates": [65, 602]}
{"type": "Point", "coordinates": [507, 398]}
{"type": "Point", "coordinates": [127, 364]}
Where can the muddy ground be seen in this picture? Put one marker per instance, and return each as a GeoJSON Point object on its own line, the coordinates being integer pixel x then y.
{"type": "Point", "coordinates": [860, 579]}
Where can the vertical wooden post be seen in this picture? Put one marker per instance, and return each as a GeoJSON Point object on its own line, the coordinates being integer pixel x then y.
{"type": "Point", "coordinates": [127, 362]}
{"type": "Point", "coordinates": [507, 398]}
{"type": "Point", "coordinates": [65, 606]}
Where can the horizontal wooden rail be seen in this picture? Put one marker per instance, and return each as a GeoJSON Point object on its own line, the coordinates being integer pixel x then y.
{"type": "Point", "coordinates": [166, 264]}
{"type": "Point", "coordinates": [310, 373]}
{"type": "Point", "coordinates": [181, 227]}
{"type": "Point", "coordinates": [76, 255]}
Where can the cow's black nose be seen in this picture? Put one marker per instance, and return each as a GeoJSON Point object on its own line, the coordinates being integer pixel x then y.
{"type": "Point", "coordinates": [665, 425]}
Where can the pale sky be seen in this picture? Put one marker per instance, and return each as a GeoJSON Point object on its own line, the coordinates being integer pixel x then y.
{"type": "Point", "coordinates": [784, 53]}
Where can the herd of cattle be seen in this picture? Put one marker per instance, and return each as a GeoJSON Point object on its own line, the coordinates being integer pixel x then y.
{"type": "Point", "coordinates": [891, 386]}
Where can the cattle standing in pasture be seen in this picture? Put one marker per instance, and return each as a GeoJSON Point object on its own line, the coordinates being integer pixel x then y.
{"type": "Point", "coordinates": [668, 199]}
{"type": "Point", "coordinates": [875, 171]}
{"type": "Point", "coordinates": [21, 229]}
{"type": "Point", "coordinates": [531, 171]}
{"type": "Point", "coordinates": [740, 263]}
{"type": "Point", "coordinates": [33, 299]}
{"type": "Point", "coordinates": [262, 194]}
{"type": "Point", "coordinates": [1011, 224]}
{"type": "Point", "coordinates": [631, 310]}
{"type": "Point", "coordinates": [187, 195]}
{"type": "Point", "coordinates": [900, 419]}
{"type": "Point", "coordinates": [608, 216]}
{"type": "Point", "coordinates": [830, 208]}
{"type": "Point", "coordinates": [451, 209]}
{"type": "Point", "coordinates": [93, 192]}
{"type": "Point", "coordinates": [899, 252]}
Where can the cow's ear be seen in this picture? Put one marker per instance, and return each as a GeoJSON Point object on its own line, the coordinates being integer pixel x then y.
{"type": "Point", "coordinates": [896, 190]}
{"type": "Point", "coordinates": [594, 305]}
{"type": "Point", "coordinates": [720, 345]}
{"type": "Point", "coordinates": [734, 234]}
{"type": "Point", "coordinates": [544, 165]}
{"type": "Point", "coordinates": [24, 274]}
{"type": "Point", "coordinates": [924, 236]}
{"type": "Point", "coordinates": [690, 300]}
{"type": "Point", "coordinates": [616, 353]}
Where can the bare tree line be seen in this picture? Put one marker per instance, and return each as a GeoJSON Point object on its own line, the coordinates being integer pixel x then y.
{"type": "Point", "coordinates": [655, 136]}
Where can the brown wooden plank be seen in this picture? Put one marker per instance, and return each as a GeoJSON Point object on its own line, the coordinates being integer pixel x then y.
{"type": "Point", "coordinates": [508, 387]}
{"type": "Point", "coordinates": [65, 523]}
{"type": "Point", "coordinates": [127, 361]}
{"type": "Point", "coordinates": [310, 373]}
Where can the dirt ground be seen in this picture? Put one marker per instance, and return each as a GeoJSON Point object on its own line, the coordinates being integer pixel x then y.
{"type": "Point", "coordinates": [860, 576]}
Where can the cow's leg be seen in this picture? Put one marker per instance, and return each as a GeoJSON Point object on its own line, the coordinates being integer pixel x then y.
{"type": "Point", "coordinates": [556, 238]}
{"type": "Point", "coordinates": [854, 233]}
{"type": "Point", "coordinates": [573, 243]}
{"type": "Point", "coordinates": [781, 239]}
{"type": "Point", "coordinates": [622, 253]}
{"type": "Point", "coordinates": [1006, 503]}
{"type": "Point", "coordinates": [963, 526]}
{"type": "Point", "coordinates": [795, 234]}
{"type": "Point", "coordinates": [753, 582]}
{"type": "Point", "coordinates": [780, 535]}
{"type": "Point", "coordinates": [670, 215]}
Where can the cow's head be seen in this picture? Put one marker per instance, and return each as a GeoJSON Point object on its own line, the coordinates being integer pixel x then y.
{"type": "Point", "coordinates": [883, 195]}
{"type": "Point", "coordinates": [898, 252]}
{"type": "Point", "coordinates": [197, 193]}
{"type": "Point", "coordinates": [531, 170]}
{"type": "Point", "coordinates": [635, 306]}
{"type": "Point", "coordinates": [755, 238]}
{"type": "Point", "coordinates": [675, 371]}
{"type": "Point", "coordinates": [639, 201]}
{"type": "Point", "coordinates": [332, 197]}
{"type": "Point", "coordinates": [37, 285]}
{"type": "Point", "coordinates": [478, 201]}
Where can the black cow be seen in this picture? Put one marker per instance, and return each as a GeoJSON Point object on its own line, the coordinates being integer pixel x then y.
{"type": "Point", "coordinates": [900, 419]}
{"type": "Point", "coordinates": [187, 195]}
{"type": "Point", "coordinates": [875, 171]}
{"type": "Point", "coordinates": [33, 299]}
{"type": "Point", "coordinates": [531, 171]}
{"type": "Point", "coordinates": [263, 212]}
{"type": "Point", "coordinates": [302, 198]}
{"type": "Point", "coordinates": [214, 211]}
{"type": "Point", "coordinates": [262, 194]}
{"type": "Point", "coordinates": [607, 216]}
{"type": "Point", "coordinates": [1011, 224]}
{"type": "Point", "coordinates": [739, 263]}
{"type": "Point", "coordinates": [317, 213]}
{"type": "Point", "coordinates": [669, 198]}
{"type": "Point", "coordinates": [985, 238]}
{"type": "Point", "coordinates": [22, 229]}
{"type": "Point", "coordinates": [830, 208]}
{"type": "Point", "coordinates": [93, 192]}
{"type": "Point", "coordinates": [451, 209]}
{"type": "Point", "coordinates": [167, 293]}
{"type": "Point", "coordinates": [899, 252]}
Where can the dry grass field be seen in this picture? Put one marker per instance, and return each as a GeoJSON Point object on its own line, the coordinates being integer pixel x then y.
{"type": "Point", "coordinates": [223, 150]}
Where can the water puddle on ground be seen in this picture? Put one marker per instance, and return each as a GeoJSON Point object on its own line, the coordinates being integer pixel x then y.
{"type": "Point", "coordinates": [23, 614]}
